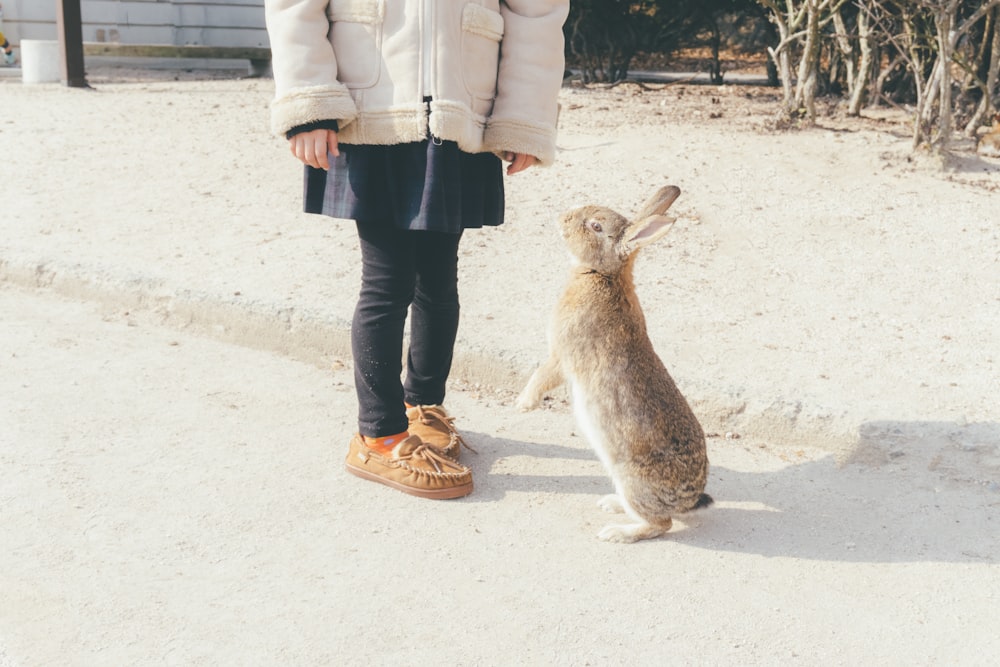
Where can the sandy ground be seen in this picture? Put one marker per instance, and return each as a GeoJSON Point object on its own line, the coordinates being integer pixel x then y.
{"type": "Point", "coordinates": [828, 301]}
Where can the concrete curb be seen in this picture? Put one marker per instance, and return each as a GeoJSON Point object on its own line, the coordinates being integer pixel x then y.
{"type": "Point", "coordinates": [317, 338]}
{"type": "Point", "coordinates": [303, 334]}
{"type": "Point", "coordinates": [298, 333]}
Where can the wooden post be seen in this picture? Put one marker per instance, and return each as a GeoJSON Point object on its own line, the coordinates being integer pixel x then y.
{"type": "Point", "coordinates": [70, 25]}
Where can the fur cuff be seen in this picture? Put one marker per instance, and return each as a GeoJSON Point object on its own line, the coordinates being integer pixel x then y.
{"type": "Point", "coordinates": [358, 11]}
{"type": "Point", "coordinates": [300, 106]}
{"type": "Point", "coordinates": [402, 124]}
{"type": "Point", "coordinates": [483, 22]}
{"type": "Point", "coordinates": [520, 136]}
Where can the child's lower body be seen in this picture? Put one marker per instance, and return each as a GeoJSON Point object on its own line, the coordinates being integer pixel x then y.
{"type": "Point", "coordinates": [403, 430]}
{"type": "Point", "coordinates": [413, 202]}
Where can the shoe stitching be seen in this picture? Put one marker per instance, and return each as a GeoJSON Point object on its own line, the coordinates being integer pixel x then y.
{"type": "Point", "coordinates": [431, 455]}
{"type": "Point", "coordinates": [436, 414]}
{"type": "Point", "coordinates": [420, 452]}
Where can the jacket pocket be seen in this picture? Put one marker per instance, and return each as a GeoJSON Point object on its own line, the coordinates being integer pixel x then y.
{"type": "Point", "coordinates": [482, 30]}
{"type": "Point", "coordinates": [356, 36]}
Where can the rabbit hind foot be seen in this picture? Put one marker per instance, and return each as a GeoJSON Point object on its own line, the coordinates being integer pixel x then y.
{"type": "Point", "coordinates": [633, 532]}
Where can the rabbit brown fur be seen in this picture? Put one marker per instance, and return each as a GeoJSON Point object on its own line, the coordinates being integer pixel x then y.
{"type": "Point", "coordinates": [625, 401]}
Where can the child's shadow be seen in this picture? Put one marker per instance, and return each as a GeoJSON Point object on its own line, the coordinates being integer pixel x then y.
{"type": "Point", "coordinates": [496, 458]}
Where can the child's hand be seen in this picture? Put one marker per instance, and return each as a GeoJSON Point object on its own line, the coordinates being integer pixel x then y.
{"type": "Point", "coordinates": [519, 162]}
{"type": "Point", "coordinates": [312, 147]}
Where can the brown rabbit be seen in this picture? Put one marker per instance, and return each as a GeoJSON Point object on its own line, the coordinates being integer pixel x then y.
{"type": "Point", "coordinates": [989, 143]}
{"type": "Point", "coordinates": [625, 401]}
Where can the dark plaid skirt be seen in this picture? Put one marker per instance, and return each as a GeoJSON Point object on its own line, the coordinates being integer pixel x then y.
{"type": "Point", "coordinates": [424, 185]}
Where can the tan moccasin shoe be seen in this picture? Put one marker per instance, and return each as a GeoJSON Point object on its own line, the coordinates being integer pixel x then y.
{"type": "Point", "coordinates": [412, 467]}
{"type": "Point", "coordinates": [436, 428]}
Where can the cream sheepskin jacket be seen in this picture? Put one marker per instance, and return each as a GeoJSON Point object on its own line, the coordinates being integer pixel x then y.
{"type": "Point", "coordinates": [493, 69]}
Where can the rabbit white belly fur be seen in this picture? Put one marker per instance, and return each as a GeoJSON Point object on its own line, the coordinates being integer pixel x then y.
{"type": "Point", "coordinates": [591, 429]}
{"type": "Point", "coordinates": [615, 502]}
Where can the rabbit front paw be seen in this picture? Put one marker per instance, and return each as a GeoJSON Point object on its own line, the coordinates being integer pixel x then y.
{"type": "Point", "coordinates": [545, 378]}
{"type": "Point", "coordinates": [526, 400]}
{"type": "Point", "coordinates": [611, 503]}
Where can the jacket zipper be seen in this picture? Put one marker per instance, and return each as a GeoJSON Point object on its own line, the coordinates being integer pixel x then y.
{"type": "Point", "coordinates": [427, 49]}
{"type": "Point", "coordinates": [427, 61]}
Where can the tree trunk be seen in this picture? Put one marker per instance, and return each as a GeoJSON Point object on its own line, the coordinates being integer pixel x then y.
{"type": "Point", "coordinates": [985, 108]}
{"type": "Point", "coordinates": [805, 90]}
{"type": "Point", "coordinates": [944, 21]}
{"type": "Point", "coordinates": [864, 73]}
{"type": "Point", "coordinates": [782, 58]}
{"type": "Point", "coordinates": [916, 63]}
{"type": "Point", "coordinates": [716, 41]}
{"type": "Point", "coordinates": [847, 50]}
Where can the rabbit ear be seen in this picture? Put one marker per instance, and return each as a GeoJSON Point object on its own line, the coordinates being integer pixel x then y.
{"type": "Point", "coordinates": [659, 202]}
{"type": "Point", "coordinates": [647, 230]}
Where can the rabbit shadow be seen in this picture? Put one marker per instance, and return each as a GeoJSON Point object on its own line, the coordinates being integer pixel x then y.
{"type": "Point", "coordinates": [907, 492]}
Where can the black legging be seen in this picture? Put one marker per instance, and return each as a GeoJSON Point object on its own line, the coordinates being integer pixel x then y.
{"type": "Point", "coordinates": [400, 270]}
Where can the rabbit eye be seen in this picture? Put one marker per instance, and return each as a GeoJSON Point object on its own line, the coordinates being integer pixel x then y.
{"type": "Point", "coordinates": [596, 226]}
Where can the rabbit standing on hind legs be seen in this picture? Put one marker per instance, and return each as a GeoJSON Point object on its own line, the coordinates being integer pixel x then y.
{"type": "Point", "coordinates": [624, 400]}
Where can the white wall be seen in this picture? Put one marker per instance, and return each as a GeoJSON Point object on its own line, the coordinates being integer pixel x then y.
{"type": "Point", "coordinates": [208, 22]}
